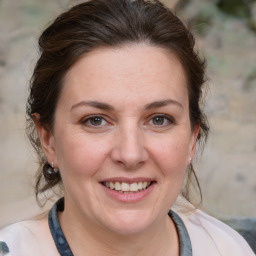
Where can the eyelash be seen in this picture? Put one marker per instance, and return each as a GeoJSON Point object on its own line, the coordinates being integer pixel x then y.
{"type": "Point", "coordinates": [91, 118]}
{"type": "Point", "coordinates": [170, 120]}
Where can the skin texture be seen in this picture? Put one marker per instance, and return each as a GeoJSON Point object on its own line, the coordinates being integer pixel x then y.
{"type": "Point", "coordinates": [134, 85]}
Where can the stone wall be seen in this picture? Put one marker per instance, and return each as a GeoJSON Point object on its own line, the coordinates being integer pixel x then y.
{"type": "Point", "coordinates": [227, 169]}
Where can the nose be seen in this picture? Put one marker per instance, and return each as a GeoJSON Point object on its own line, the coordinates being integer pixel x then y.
{"type": "Point", "coordinates": [129, 149]}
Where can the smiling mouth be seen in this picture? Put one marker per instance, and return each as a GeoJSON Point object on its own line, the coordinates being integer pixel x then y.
{"type": "Point", "coordinates": [123, 187]}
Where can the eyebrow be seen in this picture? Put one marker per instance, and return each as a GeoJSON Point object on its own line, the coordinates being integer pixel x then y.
{"type": "Point", "coordinates": [105, 106]}
{"type": "Point", "coordinates": [162, 103]}
{"type": "Point", "coordinates": [95, 104]}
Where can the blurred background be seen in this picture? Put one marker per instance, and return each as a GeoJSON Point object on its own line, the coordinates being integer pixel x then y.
{"type": "Point", "coordinates": [226, 36]}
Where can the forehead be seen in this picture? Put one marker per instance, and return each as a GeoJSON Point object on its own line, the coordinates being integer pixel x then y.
{"type": "Point", "coordinates": [135, 69]}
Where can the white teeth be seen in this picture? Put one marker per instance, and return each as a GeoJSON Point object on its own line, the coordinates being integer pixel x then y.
{"type": "Point", "coordinates": [125, 187]}
{"type": "Point", "coordinates": [111, 185]}
{"type": "Point", "coordinates": [134, 187]}
{"type": "Point", "coordinates": [144, 184]}
{"type": "Point", "coordinates": [117, 186]}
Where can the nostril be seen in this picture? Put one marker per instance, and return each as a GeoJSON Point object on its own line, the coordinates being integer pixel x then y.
{"type": "Point", "coordinates": [128, 159]}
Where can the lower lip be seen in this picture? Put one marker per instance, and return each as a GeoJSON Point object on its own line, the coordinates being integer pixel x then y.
{"type": "Point", "coordinates": [129, 197]}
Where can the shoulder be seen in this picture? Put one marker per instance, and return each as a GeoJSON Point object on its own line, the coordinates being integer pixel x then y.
{"type": "Point", "coordinates": [23, 229]}
{"type": "Point", "coordinates": [28, 238]}
{"type": "Point", "coordinates": [209, 234]}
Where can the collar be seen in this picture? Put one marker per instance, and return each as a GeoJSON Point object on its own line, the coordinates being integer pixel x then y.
{"type": "Point", "coordinates": [64, 249]}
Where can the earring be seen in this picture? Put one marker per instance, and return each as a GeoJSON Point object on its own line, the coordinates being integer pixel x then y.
{"type": "Point", "coordinates": [51, 170]}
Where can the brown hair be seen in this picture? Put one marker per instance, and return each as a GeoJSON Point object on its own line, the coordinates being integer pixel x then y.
{"type": "Point", "coordinates": [108, 23]}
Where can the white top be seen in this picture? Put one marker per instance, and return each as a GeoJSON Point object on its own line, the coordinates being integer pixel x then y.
{"type": "Point", "coordinates": [208, 236]}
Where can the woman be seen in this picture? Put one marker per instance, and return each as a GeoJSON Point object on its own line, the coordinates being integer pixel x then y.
{"type": "Point", "coordinates": [115, 99]}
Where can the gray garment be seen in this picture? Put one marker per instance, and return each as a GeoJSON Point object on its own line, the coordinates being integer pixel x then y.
{"type": "Point", "coordinates": [64, 249]}
{"type": "Point", "coordinates": [246, 226]}
{"type": "Point", "coordinates": [3, 248]}
{"type": "Point", "coordinates": [184, 240]}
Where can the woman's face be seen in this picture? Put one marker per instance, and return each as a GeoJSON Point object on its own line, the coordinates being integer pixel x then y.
{"type": "Point", "coordinates": [122, 137]}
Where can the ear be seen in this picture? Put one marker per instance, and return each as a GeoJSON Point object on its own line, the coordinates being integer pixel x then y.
{"type": "Point", "coordinates": [192, 145]}
{"type": "Point", "coordinates": [47, 140]}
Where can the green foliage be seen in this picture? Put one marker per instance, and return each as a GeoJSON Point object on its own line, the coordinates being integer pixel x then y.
{"type": "Point", "coordinates": [237, 8]}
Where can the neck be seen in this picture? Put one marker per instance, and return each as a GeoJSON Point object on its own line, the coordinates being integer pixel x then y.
{"type": "Point", "coordinates": [84, 236]}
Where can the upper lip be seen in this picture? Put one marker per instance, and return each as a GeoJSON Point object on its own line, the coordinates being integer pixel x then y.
{"type": "Point", "coordinates": [128, 180]}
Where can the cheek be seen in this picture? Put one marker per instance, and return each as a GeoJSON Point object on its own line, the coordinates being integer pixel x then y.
{"type": "Point", "coordinates": [171, 155]}
{"type": "Point", "coordinates": [79, 155]}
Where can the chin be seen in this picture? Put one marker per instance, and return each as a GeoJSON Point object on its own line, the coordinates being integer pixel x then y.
{"type": "Point", "coordinates": [129, 223]}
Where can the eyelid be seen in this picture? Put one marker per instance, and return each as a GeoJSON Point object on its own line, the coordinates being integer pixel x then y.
{"type": "Point", "coordinates": [87, 118]}
{"type": "Point", "coordinates": [170, 119]}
